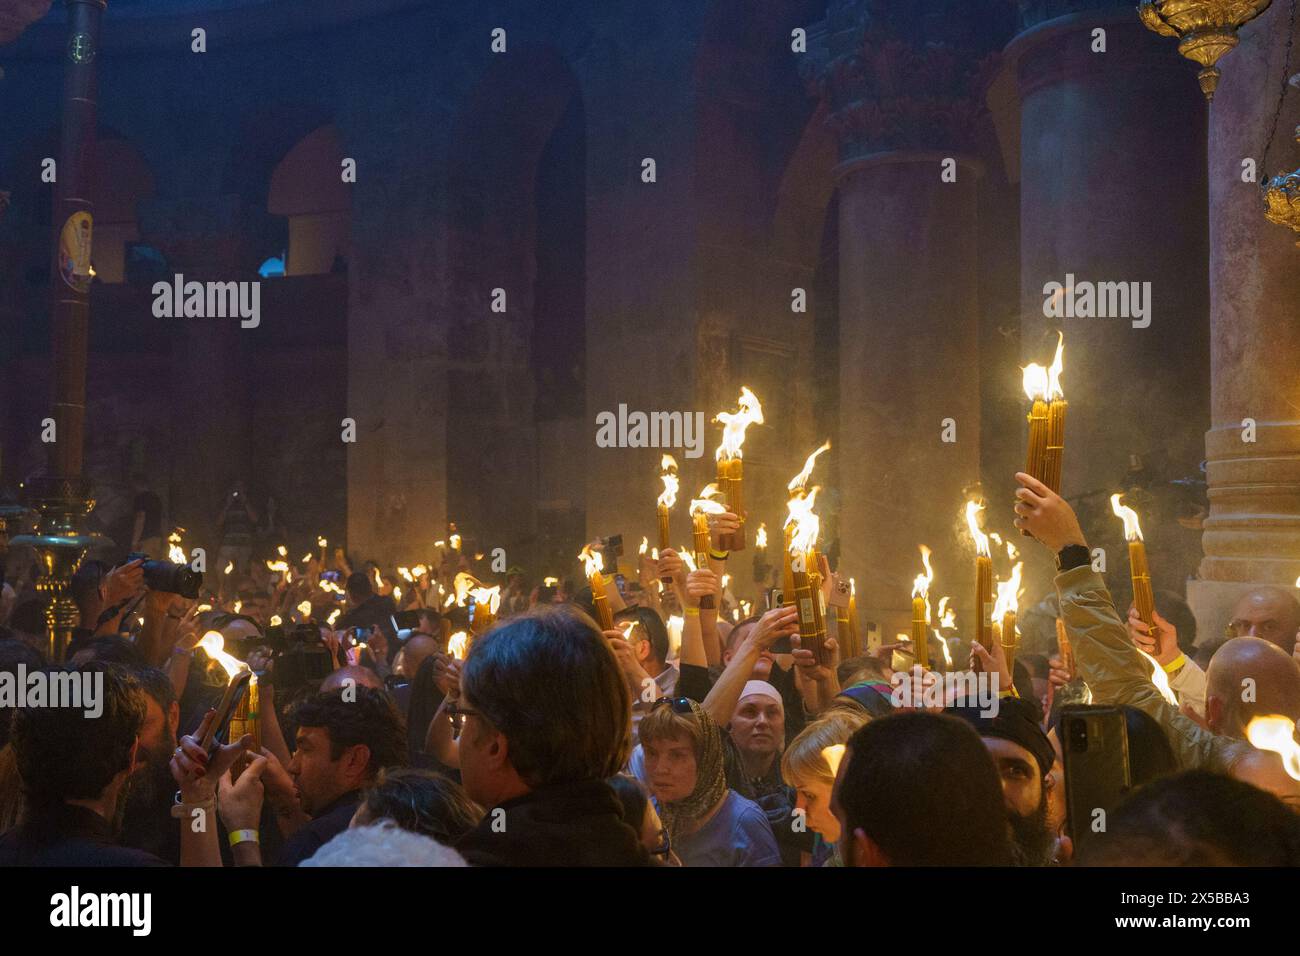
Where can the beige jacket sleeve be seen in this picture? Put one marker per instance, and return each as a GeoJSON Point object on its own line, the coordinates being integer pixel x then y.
{"type": "Point", "coordinates": [1189, 685]}
{"type": "Point", "coordinates": [1119, 675]}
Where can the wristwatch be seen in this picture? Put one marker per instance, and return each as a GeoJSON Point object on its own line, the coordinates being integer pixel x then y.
{"type": "Point", "coordinates": [1073, 556]}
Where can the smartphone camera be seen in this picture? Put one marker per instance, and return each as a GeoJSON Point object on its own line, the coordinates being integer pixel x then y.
{"type": "Point", "coordinates": [1077, 735]}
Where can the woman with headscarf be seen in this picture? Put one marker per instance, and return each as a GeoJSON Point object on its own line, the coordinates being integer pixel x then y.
{"type": "Point", "coordinates": [707, 823]}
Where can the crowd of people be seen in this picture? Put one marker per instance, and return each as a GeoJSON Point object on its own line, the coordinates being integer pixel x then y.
{"type": "Point", "coordinates": [400, 720]}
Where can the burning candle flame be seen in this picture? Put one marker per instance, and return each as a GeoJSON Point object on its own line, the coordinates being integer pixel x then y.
{"type": "Point", "coordinates": [334, 616]}
{"type": "Point", "coordinates": [1008, 601]}
{"type": "Point", "coordinates": [947, 616]}
{"type": "Point", "coordinates": [405, 573]}
{"type": "Point", "coordinates": [704, 505]}
{"type": "Point", "coordinates": [668, 497]}
{"type": "Point", "coordinates": [175, 553]}
{"type": "Point", "coordinates": [213, 645]}
{"type": "Point", "coordinates": [282, 551]}
{"type": "Point", "coordinates": [419, 571]}
{"type": "Point", "coordinates": [321, 542]}
{"type": "Point", "coordinates": [798, 481]}
{"type": "Point", "coordinates": [1045, 383]}
{"type": "Point", "coordinates": [1276, 733]}
{"type": "Point", "coordinates": [760, 537]}
{"type": "Point", "coordinates": [488, 598]}
{"type": "Point", "coordinates": [1132, 529]}
{"type": "Point", "coordinates": [921, 585]}
{"type": "Point", "coordinates": [973, 508]}
{"type": "Point", "coordinates": [550, 582]}
{"type": "Point", "coordinates": [1159, 678]}
{"type": "Point", "coordinates": [230, 566]}
{"type": "Point", "coordinates": [593, 562]}
{"type": "Point", "coordinates": [306, 558]}
{"type": "Point", "coordinates": [457, 645]}
{"type": "Point", "coordinates": [833, 755]}
{"type": "Point", "coordinates": [455, 542]}
{"type": "Point", "coordinates": [806, 524]}
{"type": "Point", "coordinates": [734, 424]}
{"type": "Point", "coordinates": [304, 608]}
{"type": "Point", "coordinates": [275, 620]}
{"type": "Point", "coordinates": [645, 546]}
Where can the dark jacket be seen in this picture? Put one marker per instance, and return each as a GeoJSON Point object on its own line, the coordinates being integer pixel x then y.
{"type": "Point", "coordinates": [571, 824]}
{"type": "Point", "coordinates": [68, 836]}
{"type": "Point", "coordinates": [323, 827]}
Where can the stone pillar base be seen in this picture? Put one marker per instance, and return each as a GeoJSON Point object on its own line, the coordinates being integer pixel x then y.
{"type": "Point", "coordinates": [1212, 603]}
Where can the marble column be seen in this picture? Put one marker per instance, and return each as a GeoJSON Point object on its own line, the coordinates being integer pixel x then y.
{"type": "Point", "coordinates": [1112, 161]}
{"type": "Point", "coordinates": [1252, 535]}
{"type": "Point", "coordinates": [901, 93]}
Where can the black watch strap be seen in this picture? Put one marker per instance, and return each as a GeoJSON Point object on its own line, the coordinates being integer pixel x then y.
{"type": "Point", "coordinates": [1073, 556]}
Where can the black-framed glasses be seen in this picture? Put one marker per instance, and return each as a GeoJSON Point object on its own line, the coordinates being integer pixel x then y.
{"type": "Point", "coordinates": [680, 705]}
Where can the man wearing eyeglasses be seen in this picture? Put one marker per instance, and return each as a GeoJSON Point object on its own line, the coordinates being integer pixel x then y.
{"type": "Point", "coordinates": [1270, 613]}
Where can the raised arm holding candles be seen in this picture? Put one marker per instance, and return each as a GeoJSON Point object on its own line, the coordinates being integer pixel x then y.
{"type": "Point", "coordinates": [802, 577]}
{"type": "Point", "coordinates": [241, 694]}
{"type": "Point", "coordinates": [1143, 598]}
{"type": "Point", "coordinates": [731, 471]}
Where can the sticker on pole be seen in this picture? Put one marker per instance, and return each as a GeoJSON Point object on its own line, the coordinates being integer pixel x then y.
{"type": "Point", "coordinates": [74, 252]}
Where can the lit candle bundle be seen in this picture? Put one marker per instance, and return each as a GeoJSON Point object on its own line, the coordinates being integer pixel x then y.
{"type": "Point", "coordinates": [983, 578]}
{"type": "Point", "coordinates": [458, 645]}
{"type": "Point", "coordinates": [802, 570]}
{"type": "Point", "coordinates": [594, 563]}
{"type": "Point", "coordinates": [241, 691]}
{"type": "Point", "coordinates": [667, 498]}
{"type": "Point", "coordinates": [1004, 615]}
{"type": "Point", "coordinates": [855, 641]}
{"type": "Point", "coordinates": [921, 612]}
{"type": "Point", "coordinates": [1046, 419]}
{"type": "Point", "coordinates": [1143, 599]}
{"type": "Point", "coordinates": [701, 508]}
{"type": "Point", "coordinates": [731, 470]}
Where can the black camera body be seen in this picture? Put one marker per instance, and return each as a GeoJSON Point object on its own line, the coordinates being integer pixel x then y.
{"type": "Point", "coordinates": [300, 657]}
{"type": "Point", "coordinates": [167, 577]}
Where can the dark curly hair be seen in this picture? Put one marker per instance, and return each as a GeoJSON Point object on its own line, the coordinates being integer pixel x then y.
{"type": "Point", "coordinates": [370, 719]}
{"type": "Point", "coordinates": [63, 754]}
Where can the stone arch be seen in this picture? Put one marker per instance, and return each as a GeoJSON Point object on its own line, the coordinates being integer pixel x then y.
{"type": "Point", "coordinates": [307, 188]}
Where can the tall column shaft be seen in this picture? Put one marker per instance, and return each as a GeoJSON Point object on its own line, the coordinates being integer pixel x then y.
{"type": "Point", "coordinates": [1252, 535]}
{"type": "Point", "coordinates": [909, 358]}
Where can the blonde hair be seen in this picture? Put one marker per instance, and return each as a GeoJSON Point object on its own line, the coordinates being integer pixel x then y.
{"type": "Point", "coordinates": [665, 723]}
{"type": "Point", "coordinates": [803, 760]}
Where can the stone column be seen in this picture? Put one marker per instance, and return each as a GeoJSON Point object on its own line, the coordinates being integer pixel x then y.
{"type": "Point", "coordinates": [901, 91]}
{"type": "Point", "coordinates": [1113, 190]}
{"type": "Point", "coordinates": [1252, 535]}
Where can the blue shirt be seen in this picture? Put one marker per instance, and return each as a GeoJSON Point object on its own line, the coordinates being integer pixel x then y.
{"type": "Point", "coordinates": [737, 835]}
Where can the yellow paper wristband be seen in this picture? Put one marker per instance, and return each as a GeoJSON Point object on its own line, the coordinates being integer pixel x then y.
{"type": "Point", "coordinates": [692, 610]}
{"type": "Point", "coordinates": [237, 837]}
{"type": "Point", "coordinates": [1176, 663]}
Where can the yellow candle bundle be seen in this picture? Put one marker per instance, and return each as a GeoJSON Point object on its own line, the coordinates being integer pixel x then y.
{"type": "Point", "coordinates": [1046, 448]}
{"type": "Point", "coordinates": [667, 498]}
{"type": "Point", "coordinates": [731, 469]}
{"type": "Point", "coordinates": [983, 578]}
{"type": "Point", "coordinates": [1140, 574]}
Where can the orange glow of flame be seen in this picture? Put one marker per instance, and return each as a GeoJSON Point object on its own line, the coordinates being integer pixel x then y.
{"type": "Point", "coordinates": [947, 616]}
{"type": "Point", "coordinates": [806, 524]}
{"type": "Point", "coordinates": [282, 551]}
{"type": "Point", "coordinates": [1008, 601]}
{"type": "Point", "coordinates": [1159, 678]}
{"type": "Point", "coordinates": [1276, 733]}
{"type": "Point", "coordinates": [921, 586]}
{"type": "Point", "coordinates": [1132, 529]}
{"type": "Point", "coordinates": [405, 573]}
{"type": "Point", "coordinates": [275, 620]}
{"type": "Point", "coordinates": [973, 508]}
{"type": "Point", "coordinates": [419, 571]}
{"type": "Point", "coordinates": [458, 644]}
{"type": "Point", "coordinates": [304, 608]}
{"type": "Point", "coordinates": [593, 562]}
{"type": "Point", "coordinates": [280, 567]}
{"type": "Point", "coordinates": [321, 542]}
{"type": "Point", "coordinates": [230, 566]}
{"type": "Point", "coordinates": [306, 558]}
{"type": "Point", "coordinates": [489, 598]}
{"type": "Point", "coordinates": [175, 553]}
{"type": "Point", "coordinates": [734, 424]}
{"type": "Point", "coordinates": [688, 558]}
{"type": "Point", "coordinates": [760, 538]}
{"type": "Point", "coordinates": [668, 497]}
{"type": "Point", "coordinates": [833, 755]}
{"type": "Point", "coordinates": [550, 582]}
{"type": "Point", "coordinates": [645, 546]}
{"type": "Point", "coordinates": [455, 542]}
{"type": "Point", "coordinates": [798, 481]}
{"type": "Point", "coordinates": [238, 606]}
{"type": "Point", "coordinates": [213, 645]}
{"type": "Point", "coordinates": [334, 616]}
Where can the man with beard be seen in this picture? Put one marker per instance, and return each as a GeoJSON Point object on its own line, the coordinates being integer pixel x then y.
{"type": "Point", "coordinates": [147, 823]}
{"type": "Point", "coordinates": [1023, 755]}
{"type": "Point", "coordinates": [74, 771]}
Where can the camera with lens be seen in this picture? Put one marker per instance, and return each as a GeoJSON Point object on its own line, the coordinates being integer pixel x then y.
{"type": "Point", "coordinates": [300, 657]}
{"type": "Point", "coordinates": [167, 577]}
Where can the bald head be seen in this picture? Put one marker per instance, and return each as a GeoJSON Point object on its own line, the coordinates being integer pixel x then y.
{"type": "Point", "coordinates": [360, 676]}
{"type": "Point", "coordinates": [416, 649]}
{"type": "Point", "coordinates": [1271, 613]}
{"type": "Point", "coordinates": [1250, 677]}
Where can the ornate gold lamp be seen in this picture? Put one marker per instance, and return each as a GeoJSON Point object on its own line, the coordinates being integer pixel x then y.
{"type": "Point", "coordinates": [1206, 29]}
{"type": "Point", "coordinates": [1282, 196]}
